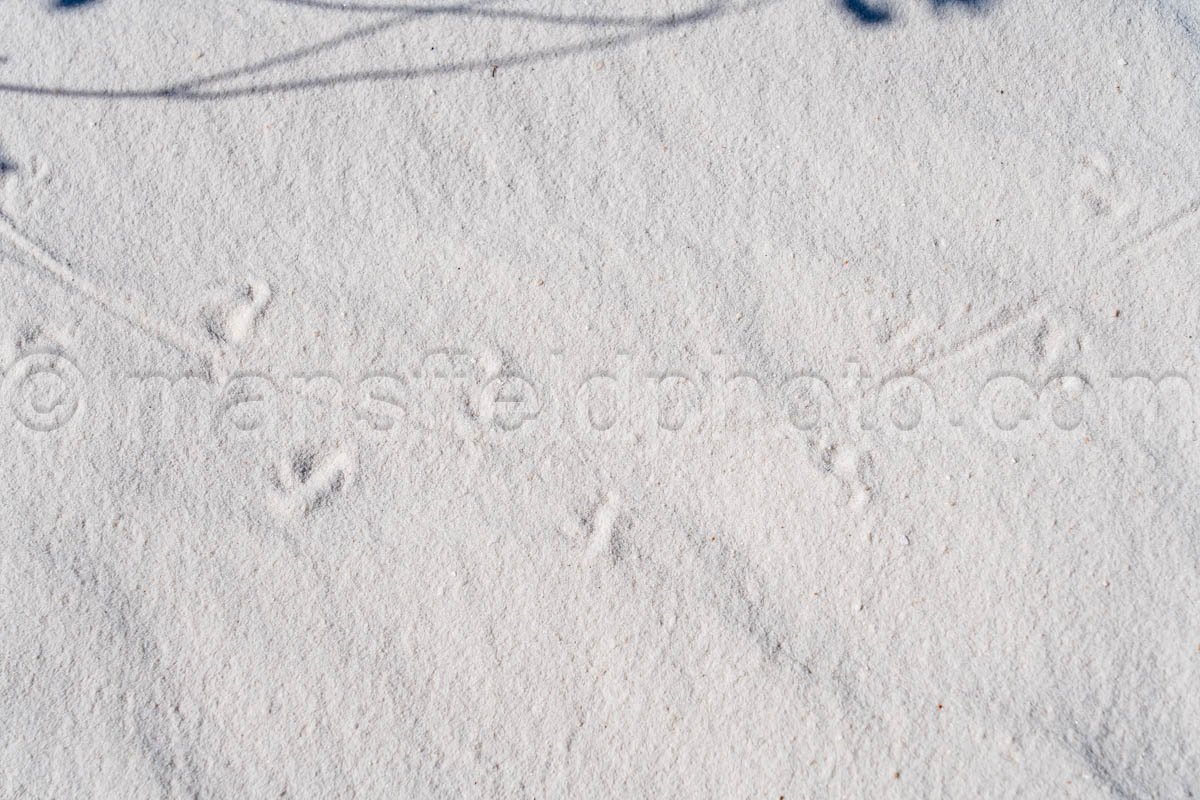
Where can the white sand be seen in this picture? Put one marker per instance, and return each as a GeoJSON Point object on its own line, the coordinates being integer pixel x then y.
{"type": "Point", "coordinates": [548, 399]}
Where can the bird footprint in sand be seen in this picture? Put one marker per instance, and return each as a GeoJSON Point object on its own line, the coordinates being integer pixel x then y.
{"type": "Point", "coordinates": [230, 318]}
{"type": "Point", "coordinates": [309, 479]}
{"type": "Point", "coordinates": [23, 188]}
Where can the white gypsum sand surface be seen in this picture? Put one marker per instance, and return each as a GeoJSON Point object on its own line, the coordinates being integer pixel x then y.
{"type": "Point", "coordinates": [546, 399]}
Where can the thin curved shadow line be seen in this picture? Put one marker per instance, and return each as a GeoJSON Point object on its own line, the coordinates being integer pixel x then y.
{"type": "Point", "coordinates": [187, 90]}
{"type": "Point", "coordinates": [405, 14]}
{"type": "Point", "coordinates": [301, 53]}
{"type": "Point", "coordinates": [578, 20]}
{"type": "Point", "coordinates": [291, 56]}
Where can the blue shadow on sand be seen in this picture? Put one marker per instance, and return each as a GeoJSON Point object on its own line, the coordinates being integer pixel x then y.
{"type": "Point", "coordinates": [876, 12]}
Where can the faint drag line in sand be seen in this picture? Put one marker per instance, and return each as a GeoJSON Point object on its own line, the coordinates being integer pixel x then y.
{"type": "Point", "coordinates": [1159, 229]}
{"type": "Point", "coordinates": [61, 271]}
{"type": "Point", "coordinates": [1007, 319]}
{"type": "Point", "coordinates": [1010, 317]}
